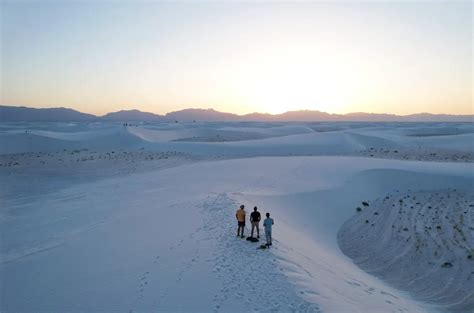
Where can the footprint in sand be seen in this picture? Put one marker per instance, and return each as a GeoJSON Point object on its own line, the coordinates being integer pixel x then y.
{"type": "Point", "coordinates": [388, 294]}
{"type": "Point", "coordinates": [353, 283]}
{"type": "Point", "coordinates": [143, 283]}
{"type": "Point", "coordinates": [370, 290]}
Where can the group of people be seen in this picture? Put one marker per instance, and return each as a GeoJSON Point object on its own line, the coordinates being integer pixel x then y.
{"type": "Point", "coordinates": [255, 222]}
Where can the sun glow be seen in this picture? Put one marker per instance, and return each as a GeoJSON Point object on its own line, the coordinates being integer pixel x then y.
{"type": "Point", "coordinates": [297, 89]}
{"type": "Point", "coordinates": [161, 57]}
{"type": "Point", "coordinates": [295, 80]}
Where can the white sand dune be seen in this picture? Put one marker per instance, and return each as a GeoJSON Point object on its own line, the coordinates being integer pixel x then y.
{"type": "Point", "coordinates": [151, 226]}
{"type": "Point", "coordinates": [47, 141]}
{"type": "Point", "coordinates": [433, 228]}
{"type": "Point", "coordinates": [459, 140]}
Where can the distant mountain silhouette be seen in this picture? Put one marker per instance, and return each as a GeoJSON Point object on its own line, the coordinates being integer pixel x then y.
{"type": "Point", "coordinates": [209, 115]}
{"type": "Point", "coordinates": [131, 115]}
{"type": "Point", "coordinates": [25, 114]}
{"type": "Point", "coordinates": [361, 116]}
{"type": "Point", "coordinates": [259, 117]}
{"type": "Point", "coordinates": [306, 115]}
{"type": "Point", "coordinates": [17, 114]}
{"type": "Point", "coordinates": [438, 117]}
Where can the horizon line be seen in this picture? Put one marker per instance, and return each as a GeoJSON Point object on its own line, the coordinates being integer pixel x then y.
{"type": "Point", "coordinates": [236, 114]}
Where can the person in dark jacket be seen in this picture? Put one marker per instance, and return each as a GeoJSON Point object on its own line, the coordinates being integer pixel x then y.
{"type": "Point", "coordinates": [255, 220]}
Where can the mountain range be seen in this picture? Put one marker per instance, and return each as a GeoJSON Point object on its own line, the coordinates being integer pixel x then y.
{"type": "Point", "coordinates": [25, 114]}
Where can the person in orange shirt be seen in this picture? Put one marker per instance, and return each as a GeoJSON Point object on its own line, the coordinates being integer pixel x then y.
{"type": "Point", "coordinates": [240, 216]}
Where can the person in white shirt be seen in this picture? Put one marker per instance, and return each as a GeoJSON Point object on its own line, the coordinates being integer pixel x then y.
{"type": "Point", "coordinates": [267, 224]}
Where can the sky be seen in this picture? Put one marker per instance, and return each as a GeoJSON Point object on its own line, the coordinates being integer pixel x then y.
{"type": "Point", "coordinates": [398, 57]}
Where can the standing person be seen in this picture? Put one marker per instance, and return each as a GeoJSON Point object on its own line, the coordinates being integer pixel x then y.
{"type": "Point", "coordinates": [255, 220]}
{"type": "Point", "coordinates": [267, 223]}
{"type": "Point", "coordinates": [240, 216]}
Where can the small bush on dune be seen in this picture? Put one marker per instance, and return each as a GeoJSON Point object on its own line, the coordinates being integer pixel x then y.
{"type": "Point", "coordinates": [447, 264]}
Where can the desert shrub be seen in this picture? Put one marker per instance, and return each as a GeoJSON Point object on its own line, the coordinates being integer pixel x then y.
{"type": "Point", "coordinates": [447, 264]}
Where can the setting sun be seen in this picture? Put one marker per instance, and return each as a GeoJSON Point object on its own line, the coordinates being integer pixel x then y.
{"type": "Point", "coordinates": [294, 82]}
